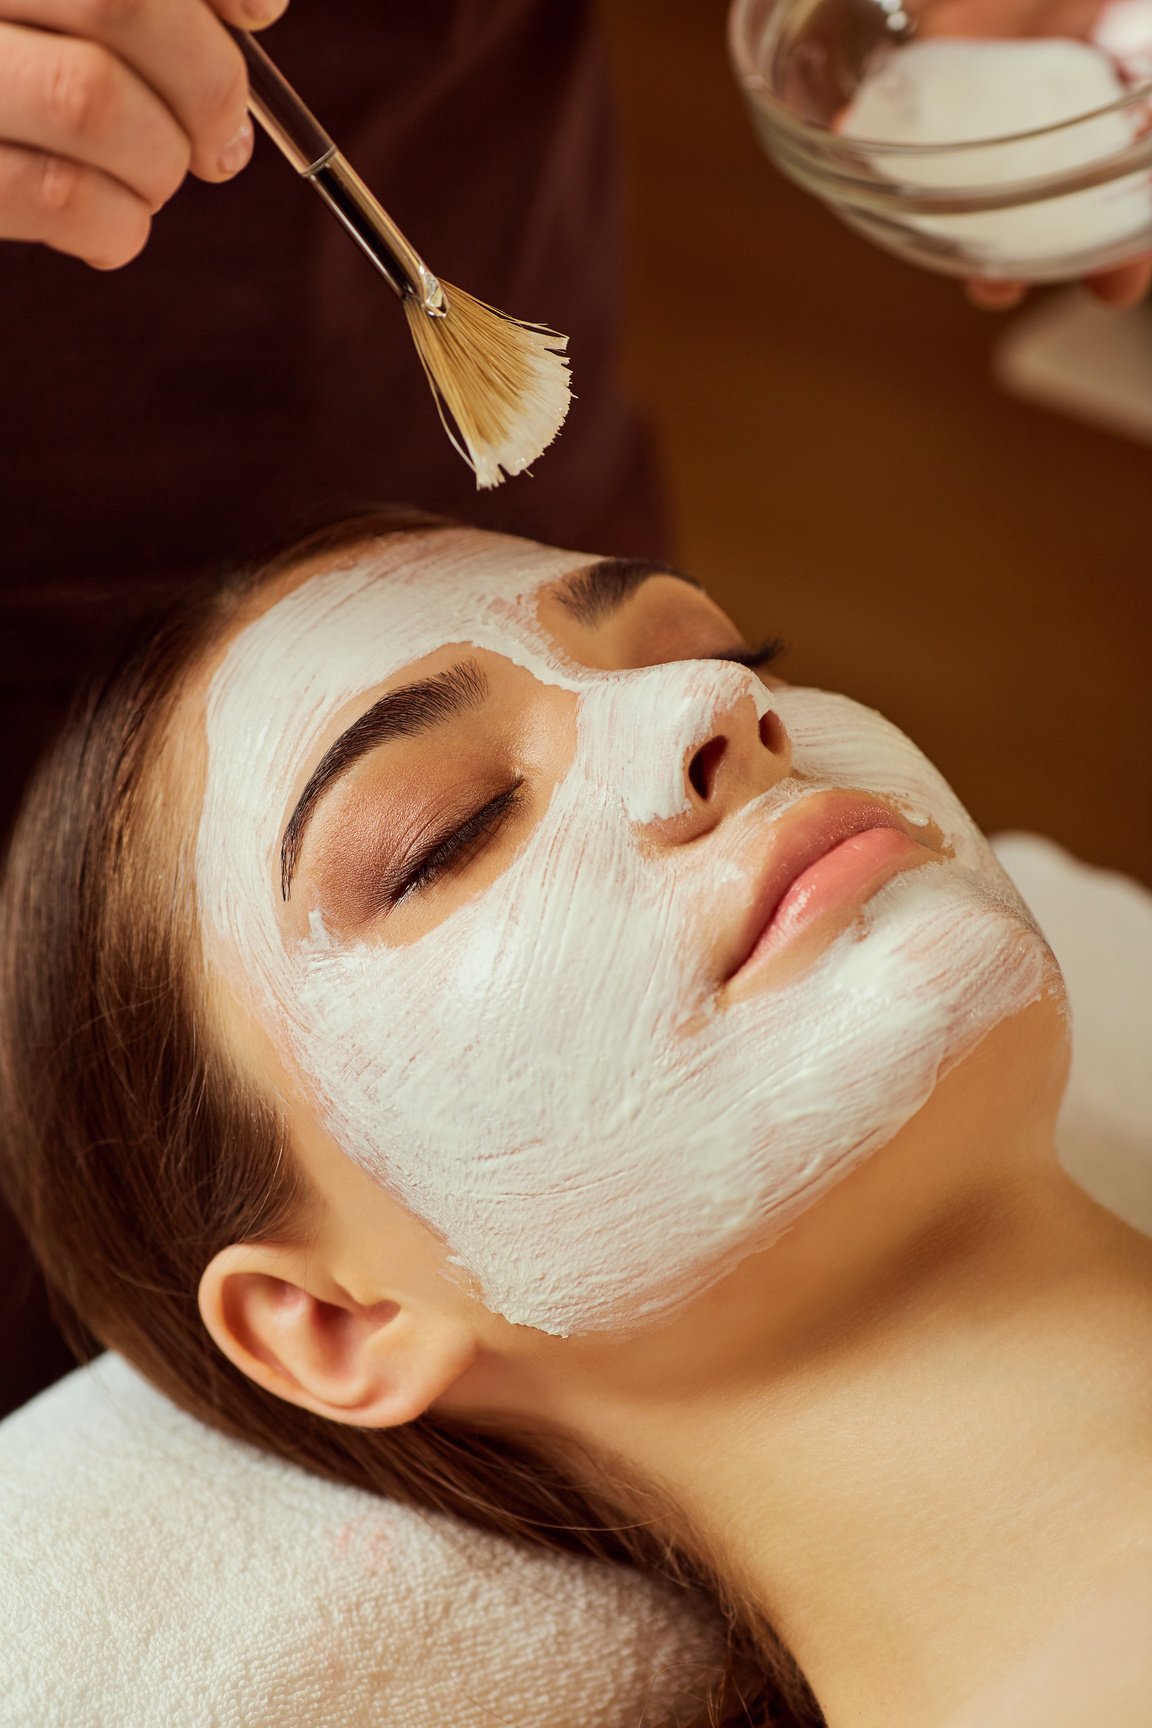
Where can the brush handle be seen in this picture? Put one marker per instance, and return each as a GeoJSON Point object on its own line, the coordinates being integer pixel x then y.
{"type": "Point", "coordinates": [287, 120]}
{"type": "Point", "coordinates": [295, 130]}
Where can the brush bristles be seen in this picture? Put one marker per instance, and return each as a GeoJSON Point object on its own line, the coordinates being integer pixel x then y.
{"type": "Point", "coordinates": [501, 383]}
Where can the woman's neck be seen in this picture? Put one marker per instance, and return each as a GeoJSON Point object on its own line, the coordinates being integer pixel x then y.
{"type": "Point", "coordinates": [940, 1438]}
{"type": "Point", "coordinates": [913, 1515]}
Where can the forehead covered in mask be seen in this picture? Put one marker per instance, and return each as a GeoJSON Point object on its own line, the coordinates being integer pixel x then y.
{"type": "Point", "coordinates": [293, 671]}
{"type": "Point", "coordinates": [547, 1078]}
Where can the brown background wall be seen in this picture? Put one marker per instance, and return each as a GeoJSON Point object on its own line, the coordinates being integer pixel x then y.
{"type": "Point", "coordinates": [844, 471]}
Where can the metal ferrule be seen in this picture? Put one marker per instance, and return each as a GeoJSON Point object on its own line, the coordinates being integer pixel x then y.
{"type": "Point", "coordinates": [295, 130]}
{"type": "Point", "coordinates": [375, 232]}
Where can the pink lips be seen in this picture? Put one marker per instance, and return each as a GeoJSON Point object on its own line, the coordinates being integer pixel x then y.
{"type": "Point", "coordinates": [837, 850]}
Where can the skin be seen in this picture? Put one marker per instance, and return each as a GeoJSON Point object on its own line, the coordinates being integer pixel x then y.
{"type": "Point", "coordinates": [107, 105]}
{"type": "Point", "coordinates": [915, 1432]}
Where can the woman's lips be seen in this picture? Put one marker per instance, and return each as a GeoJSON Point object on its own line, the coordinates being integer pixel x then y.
{"type": "Point", "coordinates": [836, 853]}
{"type": "Point", "coordinates": [851, 868]}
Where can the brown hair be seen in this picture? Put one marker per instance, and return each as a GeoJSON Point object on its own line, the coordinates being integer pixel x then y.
{"type": "Point", "coordinates": [131, 1153]}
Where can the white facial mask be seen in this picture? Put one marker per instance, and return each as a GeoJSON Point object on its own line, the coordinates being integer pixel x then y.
{"type": "Point", "coordinates": [543, 1077]}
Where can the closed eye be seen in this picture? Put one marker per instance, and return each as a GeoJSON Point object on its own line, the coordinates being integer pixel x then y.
{"type": "Point", "coordinates": [452, 851]}
{"type": "Point", "coordinates": [756, 659]}
{"type": "Point", "coordinates": [455, 850]}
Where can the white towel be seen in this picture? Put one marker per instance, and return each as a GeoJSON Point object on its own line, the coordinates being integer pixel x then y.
{"type": "Point", "coordinates": [1099, 924]}
{"type": "Point", "coordinates": [154, 1574]}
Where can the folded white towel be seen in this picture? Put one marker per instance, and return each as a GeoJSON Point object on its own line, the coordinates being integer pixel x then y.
{"type": "Point", "coordinates": [1099, 925]}
{"type": "Point", "coordinates": [154, 1574]}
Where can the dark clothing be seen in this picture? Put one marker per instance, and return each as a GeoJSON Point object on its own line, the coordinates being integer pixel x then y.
{"type": "Point", "coordinates": [251, 373]}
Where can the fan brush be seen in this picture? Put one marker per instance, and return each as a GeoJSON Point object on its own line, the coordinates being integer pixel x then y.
{"type": "Point", "coordinates": [500, 385]}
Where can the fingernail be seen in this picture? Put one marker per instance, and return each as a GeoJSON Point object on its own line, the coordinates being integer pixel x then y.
{"type": "Point", "coordinates": [263, 11]}
{"type": "Point", "coordinates": [995, 297]}
{"type": "Point", "coordinates": [238, 149]}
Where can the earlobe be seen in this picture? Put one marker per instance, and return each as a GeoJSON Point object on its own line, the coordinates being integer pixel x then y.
{"type": "Point", "coordinates": [285, 1323]}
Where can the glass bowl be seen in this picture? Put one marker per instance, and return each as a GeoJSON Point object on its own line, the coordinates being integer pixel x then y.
{"type": "Point", "coordinates": [997, 157]}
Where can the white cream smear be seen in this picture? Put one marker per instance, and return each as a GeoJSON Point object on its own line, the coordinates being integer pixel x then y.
{"type": "Point", "coordinates": [545, 1077]}
{"type": "Point", "coordinates": [1124, 30]}
{"type": "Point", "coordinates": [951, 91]}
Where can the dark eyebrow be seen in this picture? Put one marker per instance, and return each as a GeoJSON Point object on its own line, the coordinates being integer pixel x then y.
{"type": "Point", "coordinates": [403, 713]}
{"type": "Point", "coordinates": [591, 595]}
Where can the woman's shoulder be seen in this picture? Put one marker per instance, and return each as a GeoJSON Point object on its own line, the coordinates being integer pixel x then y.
{"type": "Point", "coordinates": [1092, 1666]}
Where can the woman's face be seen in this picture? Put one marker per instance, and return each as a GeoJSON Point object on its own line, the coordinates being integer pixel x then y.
{"type": "Point", "coordinates": [602, 953]}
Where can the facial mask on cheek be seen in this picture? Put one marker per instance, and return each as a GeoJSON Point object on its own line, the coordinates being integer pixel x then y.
{"type": "Point", "coordinates": [544, 1078]}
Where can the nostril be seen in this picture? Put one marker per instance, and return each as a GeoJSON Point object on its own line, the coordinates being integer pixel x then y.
{"type": "Point", "coordinates": [772, 733]}
{"type": "Point", "coordinates": [703, 766]}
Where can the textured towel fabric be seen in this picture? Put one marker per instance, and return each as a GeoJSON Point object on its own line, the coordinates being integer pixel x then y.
{"type": "Point", "coordinates": [1099, 925]}
{"type": "Point", "coordinates": [156, 1575]}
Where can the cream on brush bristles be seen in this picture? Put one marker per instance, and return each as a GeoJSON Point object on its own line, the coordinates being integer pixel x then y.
{"type": "Point", "coordinates": [501, 383]}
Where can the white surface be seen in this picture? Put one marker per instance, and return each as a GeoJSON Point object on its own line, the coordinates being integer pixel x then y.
{"type": "Point", "coordinates": [154, 1574]}
{"type": "Point", "coordinates": [1073, 355]}
{"type": "Point", "coordinates": [1099, 924]}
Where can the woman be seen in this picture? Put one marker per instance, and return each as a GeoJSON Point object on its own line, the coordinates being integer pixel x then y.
{"type": "Point", "coordinates": [469, 1028]}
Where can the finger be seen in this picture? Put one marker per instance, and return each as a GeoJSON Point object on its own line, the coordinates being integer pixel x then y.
{"type": "Point", "coordinates": [1125, 286]}
{"type": "Point", "coordinates": [75, 209]}
{"type": "Point", "coordinates": [1008, 18]}
{"type": "Point", "coordinates": [249, 14]}
{"type": "Point", "coordinates": [995, 296]}
{"type": "Point", "coordinates": [1076, 18]}
{"type": "Point", "coordinates": [77, 100]}
{"type": "Point", "coordinates": [181, 49]}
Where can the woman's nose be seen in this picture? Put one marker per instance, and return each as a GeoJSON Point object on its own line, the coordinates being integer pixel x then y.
{"type": "Point", "coordinates": [708, 761]}
{"type": "Point", "coordinates": [745, 754]}
{"type": "Point", "coordinates": [682, 743]}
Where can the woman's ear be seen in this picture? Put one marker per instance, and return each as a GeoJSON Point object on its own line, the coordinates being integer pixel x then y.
{"type": "Point", "coordinates": [285, 1323]}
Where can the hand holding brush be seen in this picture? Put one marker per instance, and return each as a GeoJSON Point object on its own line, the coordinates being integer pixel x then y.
{"type": "Point", "coordinates": [105, 108]}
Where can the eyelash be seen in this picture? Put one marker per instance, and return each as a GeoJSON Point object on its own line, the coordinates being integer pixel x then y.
{"type": "Point", "coordinates": [755, 659]}
{"type": "Point", "coordinates": [483, 824]}
{"type": "Point", "coordinates": [450, 852]}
